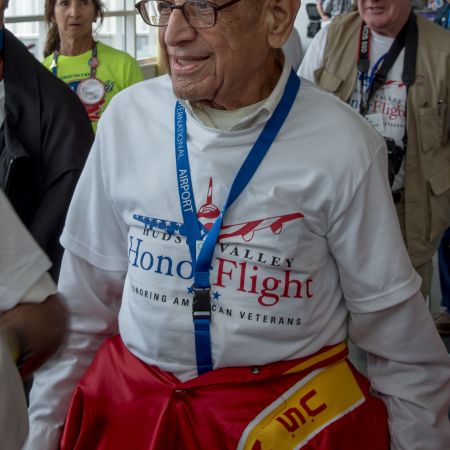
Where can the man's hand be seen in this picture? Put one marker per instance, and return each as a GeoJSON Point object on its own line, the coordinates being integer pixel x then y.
{"type": "Point", "coordinates": [34, 331]}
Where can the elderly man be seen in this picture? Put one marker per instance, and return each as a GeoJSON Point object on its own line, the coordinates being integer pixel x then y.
{"type": "Point", "coordinates": [393, 67]}
{"type": "Point", "coordinates": [223, 240]}
{"type": "Point", "coordinates": [32, 320]}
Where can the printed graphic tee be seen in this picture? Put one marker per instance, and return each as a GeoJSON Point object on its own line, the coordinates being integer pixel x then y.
{"type": "Point", "coordinates": [387, 108]}
{"type": "Point", "coordinates": [297, 249]}
{"type": "Point", "coordinates": [117, 70]}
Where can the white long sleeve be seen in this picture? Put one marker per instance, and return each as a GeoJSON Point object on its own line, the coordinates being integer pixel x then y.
{"type": "Point", "coordinates": [313, 58]}
{"type": "Point", "coordinates": [410, 370]}
{"type": "Point", "coordinates": [93, 299]}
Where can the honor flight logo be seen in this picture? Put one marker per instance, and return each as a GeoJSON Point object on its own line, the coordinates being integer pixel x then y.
{"type": "Point", "coordinates": [240, 264]}
{"type": "Point", "coordinates": [208, 213]}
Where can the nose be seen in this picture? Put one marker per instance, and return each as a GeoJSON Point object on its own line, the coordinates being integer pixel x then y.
{"type": "Point", "coordinates": [74, 9]}
{"type": "Point", "coordinates": [178, 29]}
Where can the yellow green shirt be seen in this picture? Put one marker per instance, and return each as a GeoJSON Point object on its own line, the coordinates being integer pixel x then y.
{"type": "Point", "coordinates": [116, 70]}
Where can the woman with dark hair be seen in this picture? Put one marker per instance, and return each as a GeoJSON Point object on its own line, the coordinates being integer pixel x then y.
{"type": "Point", "coordinates": [95, 71]}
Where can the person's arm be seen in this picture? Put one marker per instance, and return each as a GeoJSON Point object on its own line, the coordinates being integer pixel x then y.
{"type": "Point", "coordinates": [409, 368]}
{"type": "Point", "coordinates": [91, 281]}
{"type": "Point", "coordinates": [32, 319]}
{"type": "Point", "coordinates": [313, 58]}
{"type": "Point", "coordinates": [93, 298]}
{"type": "Point", "coordinates": [407, 364]}
{"type": "Point", "coordinates": [34, 331]}
{"type": "Point", "coordinates": [321, 11]}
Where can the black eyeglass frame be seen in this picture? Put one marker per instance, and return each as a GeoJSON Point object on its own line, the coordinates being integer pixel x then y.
{"type": "Point", "coordinates": [141, 5]}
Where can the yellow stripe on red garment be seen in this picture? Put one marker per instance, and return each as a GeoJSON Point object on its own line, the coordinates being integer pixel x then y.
{"type": "Point", "coordinates": [312, 404]}
{"type": "Point", "coordinates": [318, 358]}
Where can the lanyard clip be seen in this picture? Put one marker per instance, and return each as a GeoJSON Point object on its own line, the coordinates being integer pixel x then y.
{"type": "Point", "coordinates": [201, 305]}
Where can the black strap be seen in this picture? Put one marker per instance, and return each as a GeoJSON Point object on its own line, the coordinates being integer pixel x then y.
{"type": "Point", "coordinates": [364, 65]}
{"type": "Point", "coordinates": [412, 42]}
{"type": "Point", "coordinates": [408, 38]}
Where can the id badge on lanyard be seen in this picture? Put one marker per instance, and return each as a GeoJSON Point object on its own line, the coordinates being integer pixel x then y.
{"type": "Point", "coordinates": [202, 249]}
{"type": "Point", "coordinates": [91, 90]}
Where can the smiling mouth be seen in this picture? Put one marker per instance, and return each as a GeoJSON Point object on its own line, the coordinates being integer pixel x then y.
{"type": "Point", "coordinates": [186, 64]}
{"type": "Point", "coordinates": [375, 9]}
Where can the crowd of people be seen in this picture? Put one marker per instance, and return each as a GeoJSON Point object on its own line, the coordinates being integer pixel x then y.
{"type": "Point", "coordinates": [228, 230]}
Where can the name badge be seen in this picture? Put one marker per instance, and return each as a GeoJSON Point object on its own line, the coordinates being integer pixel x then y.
{"type": "Point", "coordinates": [91, 91]}
{"type": "Point", "coordinates": [376, 121]}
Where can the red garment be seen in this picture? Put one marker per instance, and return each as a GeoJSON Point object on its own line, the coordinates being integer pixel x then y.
{"type": "Point", "coordinates": [123, 404]}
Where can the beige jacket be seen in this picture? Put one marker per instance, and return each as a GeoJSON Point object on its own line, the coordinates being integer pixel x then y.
{"type": "Point", "coordinates": [427, 164]}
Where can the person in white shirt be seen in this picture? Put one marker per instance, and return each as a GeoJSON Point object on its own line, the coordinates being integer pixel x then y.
{"type": "Point", "coordinates": [216, 261]}
{"type": "Point", "coordinates": [32, 320]}
{"type": "Point", "coordinates": [391, 87]}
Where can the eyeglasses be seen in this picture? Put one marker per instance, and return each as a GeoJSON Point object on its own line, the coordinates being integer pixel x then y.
{"type": "Point", "coordinates": [198, 13]}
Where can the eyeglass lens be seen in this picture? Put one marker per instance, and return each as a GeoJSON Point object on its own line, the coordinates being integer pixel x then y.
{"type": "Point", "coordinates": [198, 13]}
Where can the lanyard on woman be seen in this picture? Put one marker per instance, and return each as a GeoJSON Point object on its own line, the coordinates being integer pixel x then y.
{"type": "Point", "coordinates": [91, 90]}
{"type": "Point", "coordinates": [93, 62]}
{"type": "Point", "coordinates": [201, 305]}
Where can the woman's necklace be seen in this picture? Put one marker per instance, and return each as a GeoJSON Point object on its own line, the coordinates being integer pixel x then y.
{"type": "Point", "coordinates": [90, 90]}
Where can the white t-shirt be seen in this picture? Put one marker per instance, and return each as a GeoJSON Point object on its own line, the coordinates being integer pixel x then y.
{"type": "Point", "coordinates": [277, 272]}
{"type": "Point", "coordinates": [387, 108]}
{"type": "Point", "coordinates": [304, 244]}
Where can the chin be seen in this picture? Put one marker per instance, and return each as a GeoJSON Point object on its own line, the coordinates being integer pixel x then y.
{"type": "Point", "coordinates": [191, 92]}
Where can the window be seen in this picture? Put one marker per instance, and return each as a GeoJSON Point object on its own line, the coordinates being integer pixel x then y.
{"type": "Point", "coordinates": [122, 27]}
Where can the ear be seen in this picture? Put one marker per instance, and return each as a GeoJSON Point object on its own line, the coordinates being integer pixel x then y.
{"type": "Point", "coordinates": [280, 16]}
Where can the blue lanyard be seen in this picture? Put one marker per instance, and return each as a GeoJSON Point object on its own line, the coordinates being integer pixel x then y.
{"type": "Point", "coordinates": [195, 232]}
{"type": "Point", "coordinates": [369, 79]}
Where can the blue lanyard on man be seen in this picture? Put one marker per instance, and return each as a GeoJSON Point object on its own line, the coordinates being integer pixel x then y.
{"type": "Point", "coordinates": [201, 306]}
{"type": "Point", "coordinates": [368, 79]}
